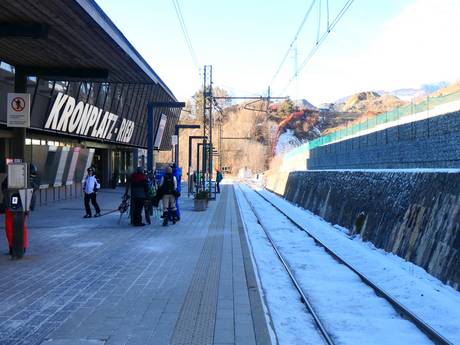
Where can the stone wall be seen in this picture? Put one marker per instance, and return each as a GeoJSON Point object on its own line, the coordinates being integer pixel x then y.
{"type": "Point", "coordinates": [430, 143]}
{"type": "Point", "coordinates": [415, 215]}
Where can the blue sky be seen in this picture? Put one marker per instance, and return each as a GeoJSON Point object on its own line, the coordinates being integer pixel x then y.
{"type": "Point", "coordinates": [377, 45]}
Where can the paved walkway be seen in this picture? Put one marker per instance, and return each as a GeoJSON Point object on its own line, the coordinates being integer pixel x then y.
{"type": "Point", "coordinates": [94, 281]}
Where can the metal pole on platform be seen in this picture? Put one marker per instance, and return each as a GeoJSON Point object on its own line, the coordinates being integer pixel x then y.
{"type": "Point", "coordinates": [176, 132]}
{"type": "Point", "coordinates": [150, 137]}
{"type": "Point", "coordinates": [190, 139]}
{"type": "Point", "coordinates": [199, 177]}
{"type": "Point", "coordinates": [16, 206]}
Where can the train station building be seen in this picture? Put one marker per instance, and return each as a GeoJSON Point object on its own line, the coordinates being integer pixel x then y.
{"type": "Point", "coordinates": [89, 89]}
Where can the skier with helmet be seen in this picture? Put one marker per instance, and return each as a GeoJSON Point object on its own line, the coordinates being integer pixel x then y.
{"type": "Point", "coordinates": [90, 188]}
{"type": "Point", "coordinates": [168, 188]}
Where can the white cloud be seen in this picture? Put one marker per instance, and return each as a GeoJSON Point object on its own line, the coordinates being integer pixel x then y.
{"type": "Point", "coordinates": [420, 45]}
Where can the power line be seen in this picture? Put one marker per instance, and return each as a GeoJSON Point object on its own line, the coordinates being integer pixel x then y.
{"type": "Point", "coordinates": [293, 41]}
{"type": "Point", "coordinates": [320, 41]}
{"type": "Point", "coordinates": [185, 33]}
{"type": "Point", "coordinates": [319, 22]}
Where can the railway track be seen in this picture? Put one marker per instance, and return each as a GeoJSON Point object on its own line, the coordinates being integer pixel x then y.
{"type": "Point", "coordinates": [432, 334]}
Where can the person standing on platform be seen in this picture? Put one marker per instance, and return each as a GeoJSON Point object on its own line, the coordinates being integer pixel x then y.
{"type": "Point", "coordinates": [219, 178]}
{"type": "Point", "coordinates": [151, 193]}
{"type": "Point", "coordinates": [177, 172]}
{"type": "Point", "coordinates": [90, 187]}
{"type": "Point", "coordinates": [139, 193]}
{"type": "Point", "coordinates": [168, 187]}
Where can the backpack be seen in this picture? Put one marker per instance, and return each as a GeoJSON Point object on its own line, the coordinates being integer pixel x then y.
{"type": "Point", "coordinates": [168, 184]}
{"type": "Point", "coordinates": [151, 192]}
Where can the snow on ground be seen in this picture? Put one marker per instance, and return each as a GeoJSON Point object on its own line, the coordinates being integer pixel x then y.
{"type": "Point", "coordinates": [286, 142]}
{"type": "Point", "coordinates": [434, 302]}
{"type": "Point", "coordinates": [350, 310]}
{"type": "Point", "coordinates": [244, 173]}
{"type": "Point", "coordinates": [293, 326]}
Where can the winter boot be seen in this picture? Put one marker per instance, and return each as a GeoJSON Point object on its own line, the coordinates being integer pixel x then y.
{"type": "Point", "coordinates": [175, 218]}
{"type": "Point", "coordinates": [165, 218]}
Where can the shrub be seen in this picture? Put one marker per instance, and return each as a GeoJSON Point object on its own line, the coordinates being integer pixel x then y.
{"type": "Point", "coordinates": [202, 195]}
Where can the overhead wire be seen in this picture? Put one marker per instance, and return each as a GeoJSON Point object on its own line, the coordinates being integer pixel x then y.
{"type": "Point", "coordinates": [319, 22]}
{"type": "Point", "coordinates": [188, 41]}
{"type": "Point", "coordinates": [320, 41]}
{"type": "Point", "coordinates": [307, 14]}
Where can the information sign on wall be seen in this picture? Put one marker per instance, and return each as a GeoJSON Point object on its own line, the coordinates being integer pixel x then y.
{"type": "Point", "coordinates": [160, 131]}
{"type": "Point", "coordinates": [17, 175]}
{"type": "Point", "coordinates": [18, 110]}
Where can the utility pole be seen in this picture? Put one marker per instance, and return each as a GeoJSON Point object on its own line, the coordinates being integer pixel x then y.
{"type": "Point", "coordinates": [221, 149]}
{"type": "Point", "coordinates": [296, 68]}
{"type": "Point", "coordinates": [267, 99]}
{"type": "Point", "coordinates": [207, 121]}
{"type": "Point", "coordinates": [208, 103]}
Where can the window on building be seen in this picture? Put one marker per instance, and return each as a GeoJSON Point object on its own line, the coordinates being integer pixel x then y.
{"type": "Point", "coordinates": [85, 89]}
{"type": "Point", "coordinates": [129, 100]}
{"type": "Point", "coordinates": [110, 99]}
{"type": "Point", "coordinates": [73, 89]}
{"type": "Point", "coordinates": [122, 99]}
{"type": "Point", "coordinates": [94, 92]}
{"type": "Point", "coordinates": [6, 67]}
{"type": "Point", "coordinates": [45, 87]}
{"type": "Point", "coordinates": [103, 91]}
{"type": "Point", "coordinates": [31, 83]}
{"type": "Point", "coordinates": [61, 86]}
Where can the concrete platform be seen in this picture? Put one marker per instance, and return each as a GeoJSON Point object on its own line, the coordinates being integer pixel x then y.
{"type": "Point", "coordinates": [94, 281]}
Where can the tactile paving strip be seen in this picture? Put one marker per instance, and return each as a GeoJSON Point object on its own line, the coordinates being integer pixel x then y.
{"type": "Point", "coordinates": [197, 319]}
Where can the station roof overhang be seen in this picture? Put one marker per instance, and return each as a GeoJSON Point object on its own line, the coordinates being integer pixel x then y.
{"type": "Point", "coordinates": [70, 37]}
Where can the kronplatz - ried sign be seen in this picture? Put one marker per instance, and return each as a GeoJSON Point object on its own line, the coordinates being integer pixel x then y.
{"type": "Point", "coordinates": [18, 110]}
{"type": "Point", "coordinates": [77, 117]}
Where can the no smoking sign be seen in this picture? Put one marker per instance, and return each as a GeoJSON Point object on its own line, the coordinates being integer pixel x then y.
{"type": "Point", "coordinates": [18, 104]}
{"type": "Point", "coordinates": [18, 110]}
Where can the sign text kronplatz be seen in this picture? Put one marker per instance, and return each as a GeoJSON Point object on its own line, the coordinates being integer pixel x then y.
{"type": "Point", "coordinates": [81, 118]}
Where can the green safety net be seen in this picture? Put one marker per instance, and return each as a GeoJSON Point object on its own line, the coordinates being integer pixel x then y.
{"type": "Point", "coordinates": [393, 115]}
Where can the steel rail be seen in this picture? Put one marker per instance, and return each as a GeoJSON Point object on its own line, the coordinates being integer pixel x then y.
{"type": "Point", "coordinates": [434, 336]}
{"type": "Point", "coordinates": [303, 297]}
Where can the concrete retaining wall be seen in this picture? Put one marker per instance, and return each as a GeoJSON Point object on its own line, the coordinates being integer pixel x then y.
{"type": "Point", "coordinates": [430, 143]}
{"type": "Point", "coordinates": [414, 215]}
{"type": "Point", "coordinates": [276, 181]}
